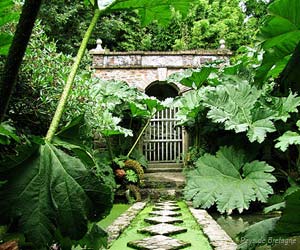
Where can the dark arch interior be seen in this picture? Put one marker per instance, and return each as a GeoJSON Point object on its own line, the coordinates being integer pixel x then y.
{"type": "Point", "coordinates": [161, 90]}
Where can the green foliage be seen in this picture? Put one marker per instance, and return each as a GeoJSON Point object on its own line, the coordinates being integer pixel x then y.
{"type": "Point", "coordinates": [241, 108]}
{"type": "Point", "coordinates": [139, 157]}
{"type": "Point", "coordinates": [289, 222]}
{"type": "Point", "coordinates": [280, 34]}
{"type": "Point", "coordinates": [268, 231]}
{"type": "Point", "coordinates": [215, 20]}
{"type": "Point", "coordinates": [8, 14]}
{"type": "Point", "coordinates": [131, 176]}
{"type": "Point", "coordinates": [257, 234]}
{"type": "Point", "coordinates": [136, 167]}
{"type": "Point", "coordinates": [122, 30]}
{"type": "Point", "coordinates": [161, 11]}
{"type": "Point", "coordinates": [7, 133]}
{"type": "Point", "coordinates": [40, 85]}
{"type": "Point", "coordinates": [288, 138]}
{"type": "Point", "coordinates": [193, 78]}
{"type": "Point", "coordinates": [60, 193]}
{"type": "Point", "coordinates": [112, 101]}
{"type": "Point", "coordinates": [229, 181]}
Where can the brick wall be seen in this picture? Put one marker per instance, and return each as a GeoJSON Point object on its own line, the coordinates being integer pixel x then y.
{"type": "Point", "coordinates": [140, 69]}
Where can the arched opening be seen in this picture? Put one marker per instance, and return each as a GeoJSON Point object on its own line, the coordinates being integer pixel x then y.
{"type": "Point", "coordinates": [163, 139]}
{"type": "Point", "coordinates": [162, 90]}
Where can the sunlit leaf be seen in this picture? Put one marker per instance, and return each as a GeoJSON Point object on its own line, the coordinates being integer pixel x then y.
{"type": "Point", "coordinates": [154, 10]}
{"type": "Point", "coordinates": [228, 181]}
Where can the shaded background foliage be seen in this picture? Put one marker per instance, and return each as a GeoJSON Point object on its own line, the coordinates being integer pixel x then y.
{"type": "Point", "coordinates": [207, 23]}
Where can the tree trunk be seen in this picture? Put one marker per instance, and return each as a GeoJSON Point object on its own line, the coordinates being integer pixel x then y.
{"type": "Point", "coordinates": [16, 52]}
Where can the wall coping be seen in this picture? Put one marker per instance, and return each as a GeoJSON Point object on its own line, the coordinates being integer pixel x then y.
{"type": "Point", "coordinates": [219, 52]}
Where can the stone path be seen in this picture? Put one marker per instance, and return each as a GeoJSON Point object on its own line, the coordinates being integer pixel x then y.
{"type": "Point", "coordinates": [218, 238]}
{"type": "Point", "coordinates": [119, 225]}
{"type": "Point", "coordinates": [162, 229]}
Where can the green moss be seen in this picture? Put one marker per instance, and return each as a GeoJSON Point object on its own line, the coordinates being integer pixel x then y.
{"type": "Point", "coordinates": [194, 235]}
{"type": "Point", "coordinates": [115, 212]}
{"type": "Point", "coordinates": [131, 232]}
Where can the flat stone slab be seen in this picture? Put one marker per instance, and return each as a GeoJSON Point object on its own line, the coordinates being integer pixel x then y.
{"type": "Point", "coordinates": [163, 219]}
{"type": "Point", "coordinates": [163, 203]}
{"type": "Point", "coordinates": [158, 242]}
{"type": "Point", "coordinates": [167, 207]}
{"type": "Point", "coordinates": [165, 213]}
{"type": "Point", "coordinates": [218, 238]}
{"type": "Point", "coordinates": [163, 229]}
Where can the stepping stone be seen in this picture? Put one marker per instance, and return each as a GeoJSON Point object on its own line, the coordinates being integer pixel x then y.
{"type": "Point", "coordinates": [167, 207]}
{"type": "Point", "coordinates": [165, 213]}
{"type": "Point", "coordinates": [163, 229]}
{"type": "Point", "coordinates": [158, 242]}
{"type": "Point", "coordinates": [163, 219]}
{"type": "Point", "coordinates": [170, 203]}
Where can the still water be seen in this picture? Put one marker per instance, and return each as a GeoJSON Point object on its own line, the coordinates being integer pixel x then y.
{"type": "Point", "coordinates": [238, 223]}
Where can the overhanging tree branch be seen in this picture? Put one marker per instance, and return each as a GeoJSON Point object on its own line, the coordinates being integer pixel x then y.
{"type": "Point", "coordinates": [16, 52]}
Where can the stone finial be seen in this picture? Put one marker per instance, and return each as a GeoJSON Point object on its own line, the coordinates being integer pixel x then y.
{"type": "Point", "coordinates": [222, 44]}
{"type": "Point", "coordinates": [99, 46]}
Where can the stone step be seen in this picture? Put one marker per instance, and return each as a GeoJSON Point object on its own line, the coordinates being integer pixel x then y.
{"type": "Point", "coordinates": [164, 180]}
{"type": "Point", "coordinates": [163, 184]}
{"type": "Point", "coordinates": [161, 193]}
{"type": "Point", "coordinates": [156, 169]}
{"type": "Point", "coordinates": [165, 165]}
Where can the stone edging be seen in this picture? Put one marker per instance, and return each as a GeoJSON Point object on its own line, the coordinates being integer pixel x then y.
{"type": "Point", "coordinates": [123, 221]}
{"type": "Point", "coordinates": [218, 238]}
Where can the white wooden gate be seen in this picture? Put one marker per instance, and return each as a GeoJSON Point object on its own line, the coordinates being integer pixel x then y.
{"type": "Point", "coordinates": [163, 141]}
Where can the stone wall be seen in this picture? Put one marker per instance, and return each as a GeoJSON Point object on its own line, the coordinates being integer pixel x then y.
{"type": "Point", "coordinates": [140, 69]}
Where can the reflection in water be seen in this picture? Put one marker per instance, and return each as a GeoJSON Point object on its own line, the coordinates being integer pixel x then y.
{"type": "Point", "coordinates": [233, 225]}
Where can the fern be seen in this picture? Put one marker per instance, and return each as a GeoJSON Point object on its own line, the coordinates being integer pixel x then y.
{"type": "Point", "coordinates": [228, 181]}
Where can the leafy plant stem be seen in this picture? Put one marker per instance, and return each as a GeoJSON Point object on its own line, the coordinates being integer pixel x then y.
{"type": "Point", "coordinates": [138, 138]}
{"type": "Point", "coordinates": [16, 52]}
{"type": "Point", "coordinates": [63, 100]}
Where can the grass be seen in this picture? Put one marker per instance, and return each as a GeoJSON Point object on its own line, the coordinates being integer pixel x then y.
{"type": "Point", "coordinates": [194, 235]}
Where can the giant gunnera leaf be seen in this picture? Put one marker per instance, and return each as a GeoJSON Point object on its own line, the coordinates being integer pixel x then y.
{"type": "Point", "coordinates": [53, 191]}
{"type": "Point", "coordinates": [280, 35]}
{"type": "Point", "coordinates": [229, 181]}
{"type": "Point", "coordinates": [243, 108]}
{"type": "Point", "coordinates": [158, 10]}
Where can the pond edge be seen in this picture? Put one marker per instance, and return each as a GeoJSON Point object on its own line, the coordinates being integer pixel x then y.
{"type": "Point", "coordinates": [217, 237]}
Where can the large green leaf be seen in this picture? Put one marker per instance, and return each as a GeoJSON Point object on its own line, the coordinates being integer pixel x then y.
{"type": "Point", "coordinates": [280, 34]}
{"type": "Point", "coordinates": [53, 190]}
{"type": "Point", "coordinates": [234, 105]}
{"type": "Point", "coordinates": [149, 11]}
{"type": "Point", "coordinates": [257, 234]}
{"type": "Point", "coordinates": [242, 108]}
{"type": "Point", "coordinates": [193, 78]}
{"type": "Point", "coordinates": [228, 181]}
